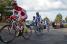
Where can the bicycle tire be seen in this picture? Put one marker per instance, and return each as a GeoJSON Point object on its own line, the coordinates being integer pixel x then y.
{"type": "Point", "coordinates": [6, 41]}
{"type": "Point", "coordinates": [38, 31]}
{"type": "Point", "coordinates": [27, 35]}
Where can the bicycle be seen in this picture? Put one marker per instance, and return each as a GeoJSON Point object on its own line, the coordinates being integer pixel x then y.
{"type": "Point", "coordinates": [9, 31]}
{"type": "Point", "coordinates": [38, 28]}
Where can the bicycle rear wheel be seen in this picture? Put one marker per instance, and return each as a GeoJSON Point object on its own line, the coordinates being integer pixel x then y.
{"type": "Point", "coordinates": [27, 32]}
{"type": "Point", "coordinates": [7, 34]}
{"type": "Point", "coordinates": [38, 30]}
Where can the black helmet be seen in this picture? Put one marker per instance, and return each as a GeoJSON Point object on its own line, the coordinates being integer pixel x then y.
{"type": "Point", "coordinates": [37, 13]}
{"type": "Point", "coordinates": [33, 16]}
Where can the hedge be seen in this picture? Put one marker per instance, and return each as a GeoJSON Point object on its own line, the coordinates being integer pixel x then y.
{"type": "Point", "coordinates": [65, 25]}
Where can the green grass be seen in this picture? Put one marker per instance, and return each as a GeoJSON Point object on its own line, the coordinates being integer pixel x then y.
{"type": "Point", "coordinates": [65, 25]}
{"type": "Point", "coordinates": [2, 24]}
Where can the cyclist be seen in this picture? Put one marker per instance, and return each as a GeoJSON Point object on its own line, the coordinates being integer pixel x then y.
{"type": "Point", "coordinates": [47, 25]}
{"type": "Point", "coordinates": [34, 23]}
{"type": "Point", "coordinates": [34, 19]}
{"type": "Point", "coordinates": [22, 16]}
{"type": "Point", "coordinates": [38, 20]}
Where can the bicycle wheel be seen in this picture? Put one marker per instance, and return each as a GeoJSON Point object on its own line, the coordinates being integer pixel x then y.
{"type": "Point", "coordinates": [27, 32]}
{"type": "Point", "coordinates": [7, 34]}
{"type": "Point", "coordinates": [38, 30]}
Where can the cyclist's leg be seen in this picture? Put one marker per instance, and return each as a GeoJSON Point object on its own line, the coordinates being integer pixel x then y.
{"type": "Point", "coordinates": [47, 28]}
{"type": "Point", "coordinates": [19, 27]}
{"type": "Point", "coordinates": [39, 26]}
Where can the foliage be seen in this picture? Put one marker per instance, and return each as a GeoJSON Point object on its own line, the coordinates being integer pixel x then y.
{"type": "Point", "coordinates": [8, 13]}
{"type": "Point", "coordinates": [58, 18]}
{"type": "Point", "coordinates": [46, 18]}
{"type": "Point", "coordinates": [3, 4]}
{"type": "Point", "coordinates": [65, 25]}
{"type": "Point", "coordinates": [66, 19]}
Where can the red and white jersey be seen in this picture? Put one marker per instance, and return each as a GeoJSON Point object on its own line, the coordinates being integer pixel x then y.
{"type": "Point", "coordinates": [21, 12]}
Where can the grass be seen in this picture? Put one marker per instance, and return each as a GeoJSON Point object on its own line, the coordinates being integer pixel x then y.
{"type": "Point", "coordinates": [2, 24]}
{"type": "Point", "coordinates": [65, 25]}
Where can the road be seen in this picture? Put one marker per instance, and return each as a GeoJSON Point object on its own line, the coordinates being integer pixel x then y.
{"type": "Point", "coordinates": [55, 36]}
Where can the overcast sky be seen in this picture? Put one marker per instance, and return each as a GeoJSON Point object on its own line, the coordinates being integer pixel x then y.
{"type": "Point", "coordinates": [47, 8]}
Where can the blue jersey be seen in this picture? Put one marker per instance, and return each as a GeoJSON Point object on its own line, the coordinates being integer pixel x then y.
{"type": "Point", "coordinates": [47, 23]}
{"type": "Point", "coordinates": [38, 18]}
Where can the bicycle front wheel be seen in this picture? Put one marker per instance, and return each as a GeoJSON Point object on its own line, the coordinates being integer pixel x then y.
{"type": "Point", "coordinates": [27, 32]}
{"type": "Point", "coordinates": [7, 34]}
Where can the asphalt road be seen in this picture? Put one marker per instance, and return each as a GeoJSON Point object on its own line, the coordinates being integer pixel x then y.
{"type": "Point", "coordinates": [55, 36]}
{"type": "Point", "coordinates": [52, 37]}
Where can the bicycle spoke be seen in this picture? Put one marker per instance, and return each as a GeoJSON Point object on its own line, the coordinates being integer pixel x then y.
{"type": "Point", "coordinates": [27, 33]}
{"type": "Point", "coordinates": [7, 34]}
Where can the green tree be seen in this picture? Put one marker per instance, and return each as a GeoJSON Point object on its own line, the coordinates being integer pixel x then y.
{"type": "Point", "coordinates": [58, 18]}
{"type": "Point", "coordinates": [3, 5]}
{"type": "Point", "coordinates": [46, 18]}
{"type": "Point", "coordinates": [66, 18]}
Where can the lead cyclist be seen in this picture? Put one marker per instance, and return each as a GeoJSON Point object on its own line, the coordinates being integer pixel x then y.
{"type": "Point", "coordinates": [20, 13]}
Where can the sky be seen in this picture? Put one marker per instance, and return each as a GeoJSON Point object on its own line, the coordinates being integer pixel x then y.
{"type": "Point", "coordinates": [46, 8]}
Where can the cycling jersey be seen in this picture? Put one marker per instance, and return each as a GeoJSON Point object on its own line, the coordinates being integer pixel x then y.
{"type": "Point", "coordinates": [20, 13]}
{"type": "Point", "coordinates": [38, 18]}
{"type": "Point", "coordinates": [34, 22]}
{"type": "Point", "coordinates": [13, 17]}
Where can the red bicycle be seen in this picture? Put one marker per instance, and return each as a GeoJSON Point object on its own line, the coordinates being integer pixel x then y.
{"type": "Point", "coordinates": [8, 32]}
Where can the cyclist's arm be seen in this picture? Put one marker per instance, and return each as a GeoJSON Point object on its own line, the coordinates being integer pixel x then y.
{"type": "Point", "coordinates": [35, 19]}
{"type": "Point", "coordinates": [13, 12]}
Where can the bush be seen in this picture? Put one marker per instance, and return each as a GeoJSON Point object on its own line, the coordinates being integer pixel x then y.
{"type": "Point", "coordinates": [8, 13]}
{"type": "Point", "coordinates": [65, 25]}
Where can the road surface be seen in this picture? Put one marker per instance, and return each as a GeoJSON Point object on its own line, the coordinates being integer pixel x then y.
{"type": "Point", "coordinates": [55, 36]}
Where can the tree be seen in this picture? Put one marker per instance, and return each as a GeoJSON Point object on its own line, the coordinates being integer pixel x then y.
{"type": "Point", "coordinates": [46, 18]}
{"type": "Point", "coordinates": [3, 4]}
{"type": "Point", "coordinates": [58, 18]}
{"type": "Point", "coordinates": [66, 18]}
